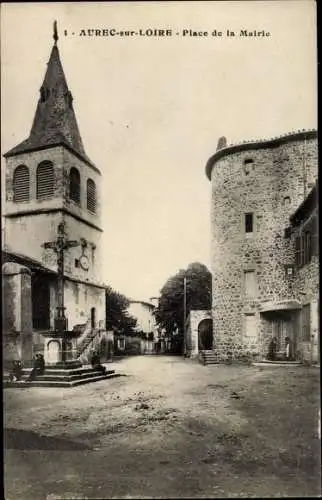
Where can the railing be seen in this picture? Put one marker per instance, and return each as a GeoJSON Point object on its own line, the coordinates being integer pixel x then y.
{"type": "Point", "coordinates": [82, 339]}
{"type": "Point", "coordinates": [90, 346]}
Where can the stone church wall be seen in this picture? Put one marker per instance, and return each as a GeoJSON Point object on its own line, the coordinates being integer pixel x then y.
{"type": "Point", "coordinates": [79, 300]}
{"type": "Point", "coordinates": [16, 313]}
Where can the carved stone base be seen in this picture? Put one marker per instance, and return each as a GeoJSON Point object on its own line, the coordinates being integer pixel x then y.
{"type": "Point", "coordinates": [66, 365]}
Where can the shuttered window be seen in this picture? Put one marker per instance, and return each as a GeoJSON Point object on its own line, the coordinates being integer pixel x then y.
{"type": "Point", "coordinates": [306, 322]}
{"type": "Point", "coordinates": [21, 184]}
{"type": "Point", "coordinates": [74, 185]}
{"type": "Point", "coordinates": [45, 180]}
{"type": "Point", "coordinates": [91, 196]}
{"type": "Point", "coordinates": [314, 237]}
{"type": "Point", "coordinates": [250, 285]}
{"type": "Point", "coordinates": [306, 243]}
{"type": "Point", "coordinates": [307, 247]}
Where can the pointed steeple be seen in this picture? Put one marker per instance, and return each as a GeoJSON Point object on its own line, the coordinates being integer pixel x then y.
{"type": "Point", "coordinates": [55, 121]}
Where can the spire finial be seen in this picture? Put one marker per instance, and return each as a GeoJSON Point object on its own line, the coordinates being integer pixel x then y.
{"type": "Point", "coordinates": [55, 36]}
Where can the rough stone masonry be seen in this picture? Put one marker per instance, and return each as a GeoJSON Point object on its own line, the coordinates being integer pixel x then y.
{"type": "Point", "coordinates": [256, 186]}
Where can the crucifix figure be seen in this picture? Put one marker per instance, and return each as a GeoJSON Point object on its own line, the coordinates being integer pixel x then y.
{"type": "Point", "coordinates": [59, 246]}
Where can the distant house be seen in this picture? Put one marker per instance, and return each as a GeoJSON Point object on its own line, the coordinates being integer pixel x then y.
{"type": "Point", "coordinates": [144, 313]}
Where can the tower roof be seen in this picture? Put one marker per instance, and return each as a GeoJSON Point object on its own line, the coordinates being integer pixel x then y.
{"type": "Point", "coordinates": [55, 121]}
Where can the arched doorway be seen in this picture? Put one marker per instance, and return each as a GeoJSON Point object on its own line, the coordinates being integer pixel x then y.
{"type": "Point", "coordinates": [52, 355]}
{"type": "Point", "coordinates": [205, 335]}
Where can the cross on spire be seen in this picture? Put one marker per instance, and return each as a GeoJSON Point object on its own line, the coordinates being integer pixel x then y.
{"type": "Point", "coordinates": [55, 35]}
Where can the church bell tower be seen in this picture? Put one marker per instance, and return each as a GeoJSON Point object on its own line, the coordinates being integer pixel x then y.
{"type": "Point", "coordinates": [50, 181]}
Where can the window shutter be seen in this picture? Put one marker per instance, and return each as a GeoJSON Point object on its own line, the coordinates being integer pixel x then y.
{"type": "Point", "coordinates": [314, 237]}
{"type": "Point", "coordinates": [91, 196]}
{"type": "Point", "coordinates": [21, 184]}
{"type": "Point", "coordinates": [298, 250]}
{"type": "Point", "coordinates": [45, 180]}
{"type": "Point", "coordinates": [74, 185]}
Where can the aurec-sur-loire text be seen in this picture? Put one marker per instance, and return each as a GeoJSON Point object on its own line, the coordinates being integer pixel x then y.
{"type": "Point", "coordinates": [160, 32]}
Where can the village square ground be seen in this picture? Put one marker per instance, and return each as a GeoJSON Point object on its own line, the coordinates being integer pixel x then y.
{"type": "Point", "coordinates": [169, 428]}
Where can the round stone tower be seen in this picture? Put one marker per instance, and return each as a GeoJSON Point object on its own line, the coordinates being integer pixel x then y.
{"type": "Point", "coordinates": [256, 186]}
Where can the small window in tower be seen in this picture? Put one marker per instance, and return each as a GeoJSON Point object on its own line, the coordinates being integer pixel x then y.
{"type": "Point", "coordinates": [289, 270]}
{"type": "Point", "coordinates": [91, 196]}
{"type": "Point", "coordinates": [45, 180]}
{"type": "Point", "coordinates": [74, 185]}
{"type": "Point", "coordinates": [286, 201]}
{"type": "Point", "coordinates": [21, 184]}
{"type": "Point", "coordinates": [70, 99]}
{"type": "Point", "coordinates": [44, 94]}
{"type": "Point", "coordinates": [250, 283]}
{"type": "Point", "coordinates": [248, 165]}
{"type": "Point", "coordinates": [250, 327]}
{"type": "Point", "coordinates": [249, 222]}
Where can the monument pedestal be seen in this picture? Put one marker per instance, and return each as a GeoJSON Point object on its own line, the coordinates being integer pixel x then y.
{"type": "Point", "coordinates": [53, 352]}
{"type": "Point", "coordinates": [67, 365]}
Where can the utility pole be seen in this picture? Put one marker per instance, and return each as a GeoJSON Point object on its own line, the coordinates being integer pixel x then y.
{"type": "Point", "coordinates": [304, 170]}
{"type": "Point", "coordinates": [184, 313]}
{"type": "Point", "coordinates": [59, 246]}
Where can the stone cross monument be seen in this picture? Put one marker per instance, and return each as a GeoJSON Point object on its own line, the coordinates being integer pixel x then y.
{"type": "Point", "coordinates": [60, 323]}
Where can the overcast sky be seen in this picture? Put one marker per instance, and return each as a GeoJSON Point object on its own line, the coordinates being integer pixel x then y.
{"type": "Point", "coordinates": [150, 110]}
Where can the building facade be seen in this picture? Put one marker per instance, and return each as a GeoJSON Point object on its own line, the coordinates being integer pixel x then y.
{"type": "Point", "coordinates": [51, 183]}
{"type": "Point", "coordinates": [144, 313]}
{"type": "Point", "coordinates": [257, 187]}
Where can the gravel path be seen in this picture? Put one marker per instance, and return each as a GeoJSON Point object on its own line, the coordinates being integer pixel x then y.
{"type": "Point", "coordinates": [169, 428]}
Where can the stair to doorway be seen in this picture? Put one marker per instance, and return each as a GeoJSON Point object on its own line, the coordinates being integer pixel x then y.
{"type": "Point", "coordinates": [88, 342]}
{"type": "Point", "coordinates": [208, 357]}
{"type": "Point", "coordinates": [69, 377]}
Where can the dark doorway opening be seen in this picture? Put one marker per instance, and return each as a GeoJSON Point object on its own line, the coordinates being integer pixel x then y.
{"type": "Point", "coordinates": [40, 302]}
{"type": "Point", "coordinates": [93, 317]}
{"type": "Point", "coordinates": [205, 335]}
{"type": "Point", "coordinates": [284, 327]}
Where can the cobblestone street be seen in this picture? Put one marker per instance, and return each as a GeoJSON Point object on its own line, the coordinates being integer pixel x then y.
{"type": "Point", "coordinates": [169, 428]}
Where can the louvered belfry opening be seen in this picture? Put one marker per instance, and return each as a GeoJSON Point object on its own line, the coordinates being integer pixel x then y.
{"type": "Point", "coordinates": [91, 196]}
{"type": "Point", "coordinates": [74, 185]}
{"type": "Point", "coordinates": [21, 184]}
{"type": "Point", "coordinates": [45, 180]}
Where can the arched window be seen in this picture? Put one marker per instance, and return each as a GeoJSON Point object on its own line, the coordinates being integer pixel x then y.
{"type": "Point", "coordinates": [21, 184]}
{"type": "Point", "coordinates": [91, 196]}
{"type": "Point", "coordinates": [74, 185]}
{"type": "Point", "coordinates": [45, 180]}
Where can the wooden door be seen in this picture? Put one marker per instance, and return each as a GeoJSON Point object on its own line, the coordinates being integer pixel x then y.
{"type": "Point", "coordinates": [40, 302]}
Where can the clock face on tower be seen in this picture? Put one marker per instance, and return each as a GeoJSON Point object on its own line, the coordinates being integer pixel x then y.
{"type": "Point", "coordinates": [84, 263]}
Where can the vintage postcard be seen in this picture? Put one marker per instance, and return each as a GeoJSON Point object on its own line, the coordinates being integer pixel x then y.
{"type": "Point", "coordinates": [160, 257]}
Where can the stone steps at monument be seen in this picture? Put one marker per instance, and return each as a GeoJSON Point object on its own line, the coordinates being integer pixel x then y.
{"type": "Point", "coordinates": [61, 377]}
{"type": "Point", "coordinates": [64, 371]}
{"type": "Point", "coordinates": [70, 378]}
{"type": "Point", "coordinates": [60, 383]}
